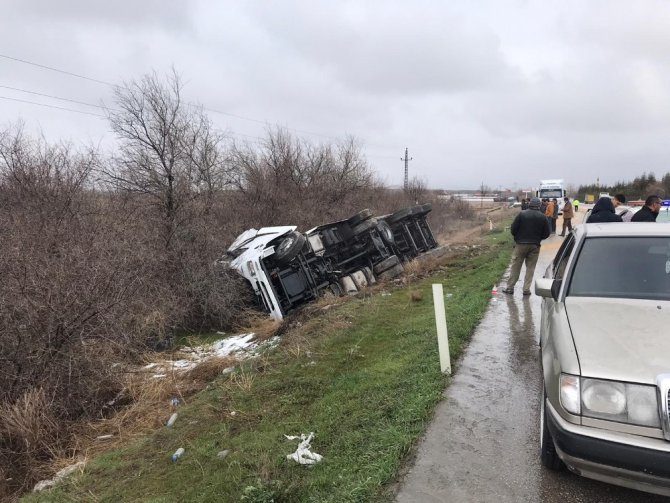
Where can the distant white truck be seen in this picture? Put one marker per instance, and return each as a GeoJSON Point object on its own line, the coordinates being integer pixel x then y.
{"type": "Point", "coordinates": [550, 189]}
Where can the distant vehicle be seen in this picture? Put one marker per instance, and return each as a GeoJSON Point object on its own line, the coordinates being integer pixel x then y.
{"type": "Point", "coordinates": [287, 268]}
{"type": "Point", "coordinates": [550, 189]}
{"type": "Point", "coordinates": [605, 408]}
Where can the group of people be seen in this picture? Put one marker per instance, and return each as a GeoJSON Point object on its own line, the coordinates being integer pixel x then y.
{"type": "Point", "coordinates": [605, 210]}
{"type": "Point", "coordinates": [538, 221]}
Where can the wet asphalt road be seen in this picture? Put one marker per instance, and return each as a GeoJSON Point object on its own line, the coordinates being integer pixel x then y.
{"type": "Point", "coordinates": [483, 443]}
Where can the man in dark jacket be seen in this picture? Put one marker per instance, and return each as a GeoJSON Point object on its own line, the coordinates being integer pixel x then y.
{"type": "Point", "coordinates": [649, 212]}
{"type": "Point", "coordinates": [529, 228]}
{"type": "Point", "coordinates": [603, 211]}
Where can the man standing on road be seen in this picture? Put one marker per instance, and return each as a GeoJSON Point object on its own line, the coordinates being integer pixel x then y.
{"type": "Point", "coordinates": [568, 215]}
{"type": "Point", "coordinates": [554, 216]}
{"type": "Point", "coordinates": [529, 228]}
{"type": "Point", "coordinates": [649, 212]}
{"type": "Point", "coordinates": [576, 203]}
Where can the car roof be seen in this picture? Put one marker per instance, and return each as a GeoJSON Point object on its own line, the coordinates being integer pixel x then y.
{"type": "Point", "coordinates": [623, 229]}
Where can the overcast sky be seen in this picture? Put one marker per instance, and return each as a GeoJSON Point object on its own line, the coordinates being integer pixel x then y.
{"type": "Point", "coordinates": [500, 92]}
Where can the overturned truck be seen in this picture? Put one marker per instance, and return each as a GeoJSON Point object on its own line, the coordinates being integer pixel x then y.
{"type": "Point", "coordinates": [287, 268]}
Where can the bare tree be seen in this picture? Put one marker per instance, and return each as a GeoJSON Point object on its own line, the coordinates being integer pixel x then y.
{"type": "Point", "coordinates": [169, 152]}
{"type": "Point", "coordinates": [416, 190]}
{"type": "Point", "coordinates": [291, 180]}
{"type": "Point", "coordinates": [171, 164]}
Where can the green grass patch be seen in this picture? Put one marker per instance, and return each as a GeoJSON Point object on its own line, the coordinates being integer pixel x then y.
{"type": "Point", "coordinates": [363, 376]}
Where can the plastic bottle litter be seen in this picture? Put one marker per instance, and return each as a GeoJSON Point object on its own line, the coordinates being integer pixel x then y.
{"type": "Point", "coordinates": [494, 290]}
{"type": "Point", "coordinates": [177, 454]}
{"type": "Point", "coordinates": [172, 420]}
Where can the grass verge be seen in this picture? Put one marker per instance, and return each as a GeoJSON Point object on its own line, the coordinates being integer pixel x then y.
{"type": "Point", "coordinates": [362, 375]}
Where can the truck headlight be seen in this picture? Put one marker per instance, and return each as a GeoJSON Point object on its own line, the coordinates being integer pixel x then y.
{"type": "Point", "coordinates": [617, 401]}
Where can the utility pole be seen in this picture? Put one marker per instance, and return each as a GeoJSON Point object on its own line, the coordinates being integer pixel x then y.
{"type": "Point", "coordinates": [406, 159]}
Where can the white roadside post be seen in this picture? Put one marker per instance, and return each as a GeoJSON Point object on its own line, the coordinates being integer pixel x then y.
{"type": "Point", "coordinates": [441, 323]}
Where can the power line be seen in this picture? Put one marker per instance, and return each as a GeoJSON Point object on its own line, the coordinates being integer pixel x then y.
{"type": "Point", "coordinates": [58, 70]}
{"type": "Point", "coordinates": [116, 86]}
{"type": "Point", "coordinates": [52, 106]}
{"type": "Point", "coordinates": [52, 96]}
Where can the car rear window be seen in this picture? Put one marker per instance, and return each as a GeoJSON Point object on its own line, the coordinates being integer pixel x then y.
{"type": "Point", "coordinates": [626, 267]}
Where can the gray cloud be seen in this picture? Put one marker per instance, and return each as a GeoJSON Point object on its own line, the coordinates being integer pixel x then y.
{"type": "Point", "coordinates": [501, 92]}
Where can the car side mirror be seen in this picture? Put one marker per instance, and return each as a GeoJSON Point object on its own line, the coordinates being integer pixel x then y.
{"type": "Point", "coordinates": [547, 287]}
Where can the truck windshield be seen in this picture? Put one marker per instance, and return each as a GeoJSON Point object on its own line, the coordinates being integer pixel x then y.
{"type": "Point", "coordinates": [623, 267]}
{"type": "Point", "coordinates": [551, 193]}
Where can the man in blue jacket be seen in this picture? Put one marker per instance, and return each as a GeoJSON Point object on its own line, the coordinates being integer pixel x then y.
{"type": "Point", "coordinates": [529, 228]}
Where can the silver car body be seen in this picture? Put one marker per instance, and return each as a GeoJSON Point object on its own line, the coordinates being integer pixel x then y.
{"type": "Point", "coordinates": [617, 338]}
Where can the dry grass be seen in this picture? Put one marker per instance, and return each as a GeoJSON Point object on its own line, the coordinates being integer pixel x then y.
{"type": "Point", "coordinates": [260, 324]}
{"type": "Point", "coordinates": [147, 406]}
{"type": "Point", "coordinates": [29, 436]}
{"type": "Point", "coordinates": [210, 369]}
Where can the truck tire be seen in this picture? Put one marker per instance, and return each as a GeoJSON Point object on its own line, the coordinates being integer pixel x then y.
{"type": "Point", "coordinates": [391, 273]}
{"type": "Point", "coordinates": [399, 215]}
{"type": "Point", "coordinates": [359, 217]}
{"type": "Point", "coordinates": [385, 232]}
{"type": "Point", "coordinates": [348, 286]}
{"type": "Point", "coordinates": [364, 226]}
{"type": "Point", "coordinates": [289, 247]}
{"type": "Point", "coordinates": [368, 274]}
{"type": "Point", "coordinates": [386, 264]}
{"type": "Point", "coordinates": [360, 279]}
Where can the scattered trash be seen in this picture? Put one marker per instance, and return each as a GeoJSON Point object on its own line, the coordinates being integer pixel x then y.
{"type": "Point", "coordinates": [449, 295]}
{"type": "Point", "coordinates": [386, 294]}
{"type": "Point", "coordinates": [158, 376]}
{"type": "Point", "coordinates": [303, 455]}
{"type": "Point", "coordinates": [174, 402]}
{"type": "Point", "coordinates": [232, 412]}
{"type": "Point", "coordinates": [104, 437]}
{"type": "Point", "coordinates": [172, 420]}
{"type": "Point", "coordinates": [494, 290]}
{"type": "Point", "coordinates": [68, 470]}
{"type": "Point", "coordinates": [177, 454]}
{"type": "Point", "coordinates": [223, 454]}
{"type": "Point", "coordinates": [150, 366]}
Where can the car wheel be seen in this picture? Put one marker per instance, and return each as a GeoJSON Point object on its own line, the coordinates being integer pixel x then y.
{"type": "Point", "coordinates": [365, 226]}
{"type": "Point", "coordinates": [289, 248]}
{"type": "Point", "coordinates": [548, 454]}
{"type": "Point", "coordinates": [386, 264]}
{"type": "Point", "coordinates": [359, 217]}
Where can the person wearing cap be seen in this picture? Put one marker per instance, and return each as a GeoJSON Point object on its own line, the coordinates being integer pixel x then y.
{"type": "Point", "coordinates": [649, 212]}
{"type": "Point", "coordinates": [529, 228]}
{"type": "Point", "coordinates": [568, 215]}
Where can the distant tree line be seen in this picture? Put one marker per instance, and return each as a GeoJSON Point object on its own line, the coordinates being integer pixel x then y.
{"type": "Point", "coordinates": [107, 254]}
{"type": "Point", "coordinates": [641, 187]}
